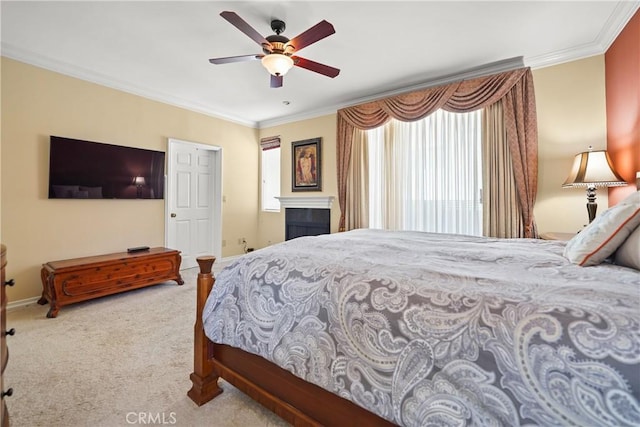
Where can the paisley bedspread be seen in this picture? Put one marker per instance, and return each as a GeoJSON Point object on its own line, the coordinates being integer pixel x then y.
{"type": "Point", "coordinates": [441, 329]}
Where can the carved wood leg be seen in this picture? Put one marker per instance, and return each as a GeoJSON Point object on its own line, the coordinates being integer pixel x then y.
{"type": "Point", "coordinates": [48, 293]}
{"type": "Point", "coordinates": [44, 277]}
{"type": "Point", "coordinates": [43, 299]}
{"type": "Point", "coordinates": [179, 280]}
{"type": "Point", "coordinates": [53, 311]}
{"type": "Point", "coordinates": [204, 376]}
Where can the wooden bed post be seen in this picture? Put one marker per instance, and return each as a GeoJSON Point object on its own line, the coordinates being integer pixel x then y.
{"type": "Point", "coordinates": [204, 376]}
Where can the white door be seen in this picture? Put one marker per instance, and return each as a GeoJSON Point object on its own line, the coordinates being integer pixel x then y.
{"type": "Point", "coordinates": [194, 200]}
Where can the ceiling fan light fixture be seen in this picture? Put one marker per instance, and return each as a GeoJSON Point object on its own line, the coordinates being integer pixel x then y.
{"type": "Point", "coordinates": [277, 64]}
{"type": "Point", "coordinates": [278, 50]}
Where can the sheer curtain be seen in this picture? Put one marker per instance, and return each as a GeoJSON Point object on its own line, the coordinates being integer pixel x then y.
{"type": "Point", "coordinates": [426, 175]}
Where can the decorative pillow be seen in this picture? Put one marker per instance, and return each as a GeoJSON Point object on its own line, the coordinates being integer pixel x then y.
{"type": "Point", "coordinates": [601, 238]}
{"type": "Point", "coordinates": [93, 192]}
{"type": "Point", "coordinates": [628, 254]}
{"type": "Point", "coordinates": [64, 191]}
{"type": "Point", "coordinates": [80, 194]}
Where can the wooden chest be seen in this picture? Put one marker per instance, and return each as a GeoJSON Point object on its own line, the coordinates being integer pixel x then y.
{"type": "Point", "coordinates": [4, 352]}
{"type": "Point", "coordinates": [69, 281]}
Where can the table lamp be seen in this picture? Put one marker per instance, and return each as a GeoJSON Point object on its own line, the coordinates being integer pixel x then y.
{"type": "Point", "coordinates": [593, 169]}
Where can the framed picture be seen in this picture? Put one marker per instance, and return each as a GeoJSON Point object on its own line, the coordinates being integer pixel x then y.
{"type": "Point", "coordinates": [306, 165]}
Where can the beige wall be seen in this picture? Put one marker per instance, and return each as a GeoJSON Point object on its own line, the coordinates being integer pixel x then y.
{"type": "Point", "coordinates": [37, 103]}
{"type": "Point", "coordinates": [571, 109]}
{"type": "Point", "coordinates": [271, 224]}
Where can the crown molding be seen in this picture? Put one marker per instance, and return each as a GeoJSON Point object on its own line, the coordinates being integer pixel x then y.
{"type": "Point", "coordinates": [622, 13]}
{"type": "Point", "coordinates": [22, 55]}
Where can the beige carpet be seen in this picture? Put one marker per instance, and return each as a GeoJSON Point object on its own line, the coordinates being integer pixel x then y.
{"type": "Point", "coordinates": [116, 361]}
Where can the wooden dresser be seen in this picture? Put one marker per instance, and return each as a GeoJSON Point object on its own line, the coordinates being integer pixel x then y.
{"type": "Point", "coordinates": [4, 413]}
{"type": "Point", "coordinates": [73, 280]}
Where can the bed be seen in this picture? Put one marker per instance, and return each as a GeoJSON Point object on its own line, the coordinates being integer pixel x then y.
{"type": "Point", "coordinates": [373, 327]}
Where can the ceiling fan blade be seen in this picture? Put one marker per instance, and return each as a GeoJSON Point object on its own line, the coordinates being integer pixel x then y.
{"type": "Point", "coordinates": [276, 81]}
{"type": "Point", "coordinates": [229, 59]}
{"type": "Point", "coordinates": [319, 31]}
{"type": "Point", "coordinates": [243, 26]}
{"type": "Point", "coordinates": [315, 66]}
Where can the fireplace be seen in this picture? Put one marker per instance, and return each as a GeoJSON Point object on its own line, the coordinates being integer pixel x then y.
{"type": "Point", "coordinates": [306, 222]}
{"type": "Point", "coordinates": [306, 215]}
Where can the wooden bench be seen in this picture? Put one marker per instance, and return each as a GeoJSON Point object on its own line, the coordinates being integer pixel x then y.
{"type": "Point", "coordinates": [73, 280]}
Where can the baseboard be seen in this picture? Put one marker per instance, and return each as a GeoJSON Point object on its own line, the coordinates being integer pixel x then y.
{"type": "Point", "coordinates": [21, 303]}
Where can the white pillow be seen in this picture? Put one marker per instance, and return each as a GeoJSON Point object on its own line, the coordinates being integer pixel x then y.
{"type": "Point", "coordinates": [604, 235]}
{"type": "Point", "coordinates": [628, 254]}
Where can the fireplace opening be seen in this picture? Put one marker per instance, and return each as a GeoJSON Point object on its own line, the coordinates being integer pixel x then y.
{"type": "Point", "coordinates": [306, 222]}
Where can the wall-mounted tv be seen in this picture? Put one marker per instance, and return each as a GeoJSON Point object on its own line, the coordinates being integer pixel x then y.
{"type": "Point", "coordinates": [93, 170]}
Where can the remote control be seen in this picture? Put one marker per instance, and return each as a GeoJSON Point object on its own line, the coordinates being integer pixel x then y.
{"type": "Point", "coordinates": [138, 249]}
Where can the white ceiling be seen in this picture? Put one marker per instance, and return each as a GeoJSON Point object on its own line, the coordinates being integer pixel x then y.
{"type": "Point", "coordinates": [160, 49]}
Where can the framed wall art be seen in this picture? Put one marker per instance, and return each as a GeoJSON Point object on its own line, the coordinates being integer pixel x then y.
{"type": "Point", "coordinates": [306, 165]}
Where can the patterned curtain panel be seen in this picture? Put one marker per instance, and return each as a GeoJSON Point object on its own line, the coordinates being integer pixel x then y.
{"type": "Point", "coordinates": [515, 88]}
{"type": "Point", "coordinates": [357, 215]}
{"type": "Point", "coordinates": [501, 214]}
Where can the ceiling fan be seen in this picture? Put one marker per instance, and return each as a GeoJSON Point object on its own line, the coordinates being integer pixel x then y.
{"type": "Point", "coordinates": [278, 56]}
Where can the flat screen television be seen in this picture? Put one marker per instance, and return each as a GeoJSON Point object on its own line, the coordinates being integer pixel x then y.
{"type": "Point", "coordinates": [93, 170]}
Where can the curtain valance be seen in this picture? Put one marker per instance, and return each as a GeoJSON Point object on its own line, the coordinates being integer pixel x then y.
{"type": "Point", "coordinates": [270, 142]}
{"type": "Point", "coordinates": [514, 88]}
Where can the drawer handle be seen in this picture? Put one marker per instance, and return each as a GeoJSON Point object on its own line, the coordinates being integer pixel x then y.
{"type": "Point", "coordinates": [11, 332]}
{"type": "Point", "coordinates": [7, 393]}
{"type": "Point", "coordinates": [10, 282]}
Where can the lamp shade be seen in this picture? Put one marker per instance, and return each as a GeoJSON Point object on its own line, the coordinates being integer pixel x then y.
{"type": "Point", "coordinates": [277, 64]}
{"type": "Point", "coordinates": [593, 169]}
{"type": "Point", "coordinates": [139, 180]}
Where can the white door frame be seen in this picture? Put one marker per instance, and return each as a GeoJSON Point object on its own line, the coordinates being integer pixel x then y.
{"type": "Point", "coordinates": [216, 185]}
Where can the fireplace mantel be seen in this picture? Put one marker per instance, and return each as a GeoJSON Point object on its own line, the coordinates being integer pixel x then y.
{"type": "Point", "coordinates": [313, 202]}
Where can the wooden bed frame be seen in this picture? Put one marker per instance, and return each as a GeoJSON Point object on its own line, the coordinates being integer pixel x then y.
{"type": "Point", "coordinates": [296, 401]}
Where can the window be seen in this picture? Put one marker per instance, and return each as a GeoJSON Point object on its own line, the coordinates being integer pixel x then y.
{"type": "Point", "coordinates": [427, 175]}
{"type": "Point", "coordinates": [270, 173]}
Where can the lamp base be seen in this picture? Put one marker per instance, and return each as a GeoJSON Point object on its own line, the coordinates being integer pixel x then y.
{"type": "Point", "coordinates": [592, 207]}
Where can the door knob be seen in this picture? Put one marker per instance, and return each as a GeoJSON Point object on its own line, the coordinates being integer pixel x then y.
{"type": "Point", "coordinates": [173, 215]}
